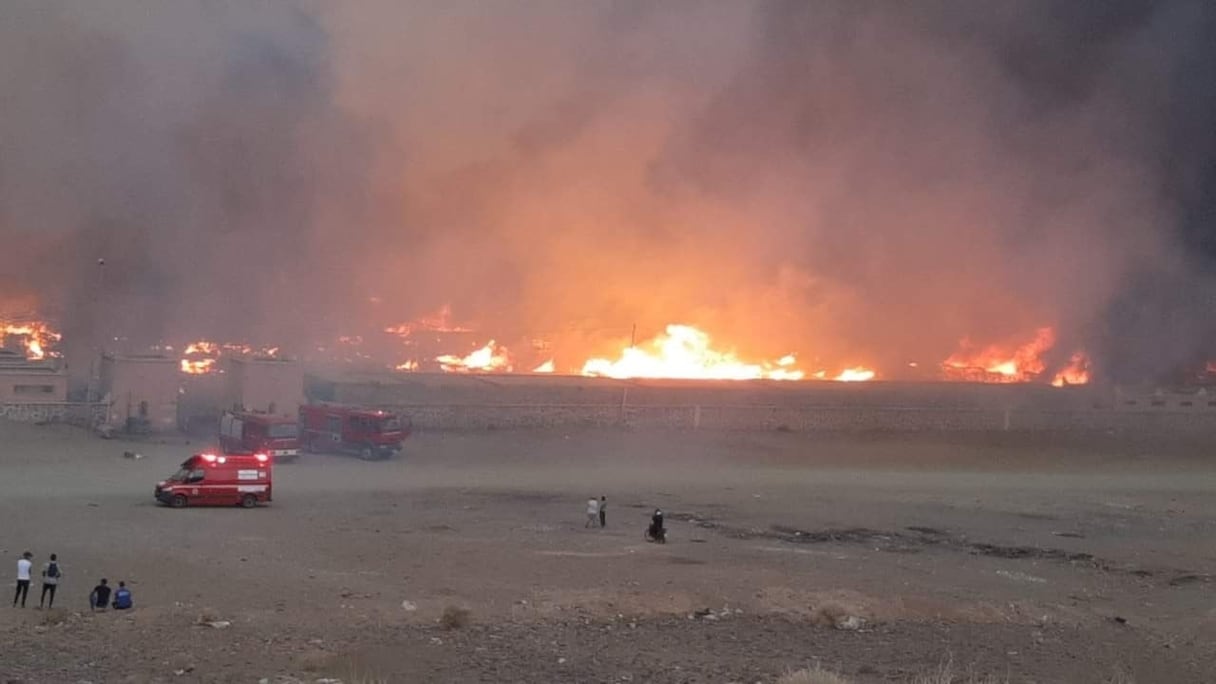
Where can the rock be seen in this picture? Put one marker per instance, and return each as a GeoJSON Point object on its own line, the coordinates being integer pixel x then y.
{"type": "Point", "coordinates": [849, 623]}
{"type": "Point", "coordinates": [218, 624]}
{"type": "Point", "coordinates": [409, 606]}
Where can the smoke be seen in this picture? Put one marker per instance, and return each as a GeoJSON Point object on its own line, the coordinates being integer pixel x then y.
{"type": "Point", "coordinates": [861, 182]}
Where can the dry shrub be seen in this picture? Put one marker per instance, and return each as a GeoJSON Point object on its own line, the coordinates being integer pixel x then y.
{"type": "Point", "coordinates": [813, 675]}
{"type": "Point", "coordinates": [945, 674]}
{"type": "Point", "coordinates": [455, 617]}
{"type": "Point", "coordinates": [1120, 676]}
{"type": "Point", "coordinates": [353, 670]}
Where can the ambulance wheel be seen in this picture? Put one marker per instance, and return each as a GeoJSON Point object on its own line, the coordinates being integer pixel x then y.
{"type": "Point", "coordinates": [367, 454]}
{"type": "Point", "coordinates": [249, 501]}
{"type": "Point", "coordinates": [178, 501]}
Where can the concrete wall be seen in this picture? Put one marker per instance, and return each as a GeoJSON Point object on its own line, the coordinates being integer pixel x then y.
{"type": "Point", "coordinates": [33, 385]}
{"type": "Point", "coordinates": [264, 384]}
{"type": "Point", "coordinates": [87, 415]}
{"type": "Point", "coordinates": [478, 402]}
{"type": "Point", "coordinates": [141, 387]}
{"type": "Point", "coordinates": [824, 419]}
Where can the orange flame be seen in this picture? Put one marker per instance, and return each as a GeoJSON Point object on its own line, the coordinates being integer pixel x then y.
{"type": "Point", "coordinates": [36, 336]}
{"type": "Point", "coordinates": [198, 367]}
{"type": "Point", "coordinates": [997, 364]}
{"type": "Point", "coordinates": [487, 359]}
{"type": "Point", "coordinates": [440, 321]}
{"type": "Point", "coordinates": [546, 367]}
{"type": "Point", "coordinates": [857, 374]}
{"type": "Point", "coordinates": [1075, 373]}
{"type": "Point", "coordinates": [410, 365]}
{"type": "Point", "coordinates": [685, 352]}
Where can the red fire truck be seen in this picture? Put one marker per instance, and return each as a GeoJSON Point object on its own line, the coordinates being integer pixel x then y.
{"type": "Point", "coordinates": [371, 434]}
{"type": "Point", "coordinates": [260, 433]}
{"type": "Point", "coordinates": [218, 480]}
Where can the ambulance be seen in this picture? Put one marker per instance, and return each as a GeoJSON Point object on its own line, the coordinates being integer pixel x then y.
{"type": "Point", "coordinates": [218, 480]}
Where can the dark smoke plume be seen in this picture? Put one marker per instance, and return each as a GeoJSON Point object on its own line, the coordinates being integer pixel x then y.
{"type": "Point", "coordinates": [862, 182]}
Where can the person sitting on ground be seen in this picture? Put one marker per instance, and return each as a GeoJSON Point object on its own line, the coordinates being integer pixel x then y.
{"type": "Point", "coordinates": [122, 597]}
{"type": "Point", "coordinates": [99, 599]}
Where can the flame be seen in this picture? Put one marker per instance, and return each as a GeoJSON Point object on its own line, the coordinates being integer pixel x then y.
{"type": "Point", "coordinates": [36, 336]}
{"type": "Point", "coordinates": [685, 352]}
{"type": "Point", "coordinates": [857, 374]}
{"type": "Point", "coordinates": [997, 364]}
{"type": "Point", "coordinates": [410, 365]}
{"type": "Point", "coordinates": [440, 321]}
{"type": "Point", "coordinates": [546, 367]}
{"type": "Point", "coordinates": [198, 367]}
{"type": "Point", "coordinates": [1075, 373]}
{"type": "Point", "coordinates": [490, 358]}
{"type": "Point", "coordinates": [202, 347]}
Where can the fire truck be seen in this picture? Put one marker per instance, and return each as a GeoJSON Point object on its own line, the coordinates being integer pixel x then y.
{"type": "Point", "coordinates": [260, 433]}
{"type": "Point", "coordinates": [371, 434]}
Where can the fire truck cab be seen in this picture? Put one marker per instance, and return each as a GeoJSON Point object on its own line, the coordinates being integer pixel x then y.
{"type": "Point", "coordinates": [260, 433]}
{"type": "Point", "coordinates": [371, 434]}
{"type": "Point", "coordinates": [218, 480]}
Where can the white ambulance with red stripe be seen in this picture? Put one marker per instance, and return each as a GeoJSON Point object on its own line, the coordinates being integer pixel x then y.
{"type": "Point", "coordinates": [218, 480]}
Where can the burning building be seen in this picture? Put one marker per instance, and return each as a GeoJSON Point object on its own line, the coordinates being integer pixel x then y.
{"type": "Point", "coordinates": [25, 381]}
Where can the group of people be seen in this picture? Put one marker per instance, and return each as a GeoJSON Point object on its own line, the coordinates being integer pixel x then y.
{"type": "Point", "coordinates": [52, 575]}
{"type": "Point", "coordinates": [597, 510]}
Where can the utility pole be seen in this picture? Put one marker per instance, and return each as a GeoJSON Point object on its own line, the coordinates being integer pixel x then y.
{"type": "Point", "coordinates": [98, 348]}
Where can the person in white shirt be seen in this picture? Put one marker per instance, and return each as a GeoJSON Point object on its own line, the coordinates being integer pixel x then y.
{"type": "Point", "coordinates": [23, 578]}
{"type": "Point", "coordinates": [593, 512]}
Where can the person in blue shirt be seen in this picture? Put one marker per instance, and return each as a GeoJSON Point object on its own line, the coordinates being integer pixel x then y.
{"type": "Point", "coordinates": [122, 597]}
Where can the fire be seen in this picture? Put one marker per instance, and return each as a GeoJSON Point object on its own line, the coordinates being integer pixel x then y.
{"type": "Point", "coordinates": [546, 367]}
{"type": "Point", "coordinates": [198, 367]}
{"type": "Point", "coordinates": [1075, 373]}
{"type": "Point", "coordinates": [685, 352]}
{"type": "Point", "coordinates": [857, 374]}
{"type": "Point", "coordinates": [36, 336]}
{"type": "Point", "coordinates": [202, 347]}
{"type": "Point", "coordinates": [410, 365]}
{"type": "Point", "coordinates": [997, 364]}
{"type": "Point", "coordinates": [1020, 364]}
{"type": "Point", "coordinates": [440, 321]}
{"type": "Point", "coordinates": [211, 351]}
{"type": "Point", "coordinates": [487, 359]}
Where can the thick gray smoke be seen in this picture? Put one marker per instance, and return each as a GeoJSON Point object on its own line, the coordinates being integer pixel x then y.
{"type": "Point", "coordinates": [861, 182]}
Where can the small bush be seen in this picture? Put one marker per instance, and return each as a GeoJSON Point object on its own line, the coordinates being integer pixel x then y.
{"type": "Point", "coordinates": [455, 617]}
{"type": "Point", "coordinates": [813, 675]}
{"type": "Point", "coordinates": [944, 674]}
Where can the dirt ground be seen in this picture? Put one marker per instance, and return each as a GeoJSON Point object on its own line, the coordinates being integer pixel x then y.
{"type": "Point", "coordinates": [1046, 560]}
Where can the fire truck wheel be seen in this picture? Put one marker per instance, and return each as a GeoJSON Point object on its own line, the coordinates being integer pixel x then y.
{"type": "Point", "coordinates": [179, 501]}
{"type": "Point", "coordinates": [249, 501]}
{"type": "Point", "coordinates": [366, 454]}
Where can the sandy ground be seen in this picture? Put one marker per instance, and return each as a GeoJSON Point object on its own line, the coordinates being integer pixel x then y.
{"type": "Point", "coordinates": [1048, 561]}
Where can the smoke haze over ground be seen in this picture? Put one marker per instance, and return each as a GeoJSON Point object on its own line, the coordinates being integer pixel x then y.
{"type": "Point", "coordinates": [864, 182]}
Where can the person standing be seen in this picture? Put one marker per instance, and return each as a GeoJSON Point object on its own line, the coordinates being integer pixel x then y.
{"type": "Point", "coordinates": [593, 511]}
{"type": "Point", "coordinates": [603, 511]}
{"type": "Point", "coordinates": [50, 581]}
{"type": "Point", "coordinates": [23, 578]}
